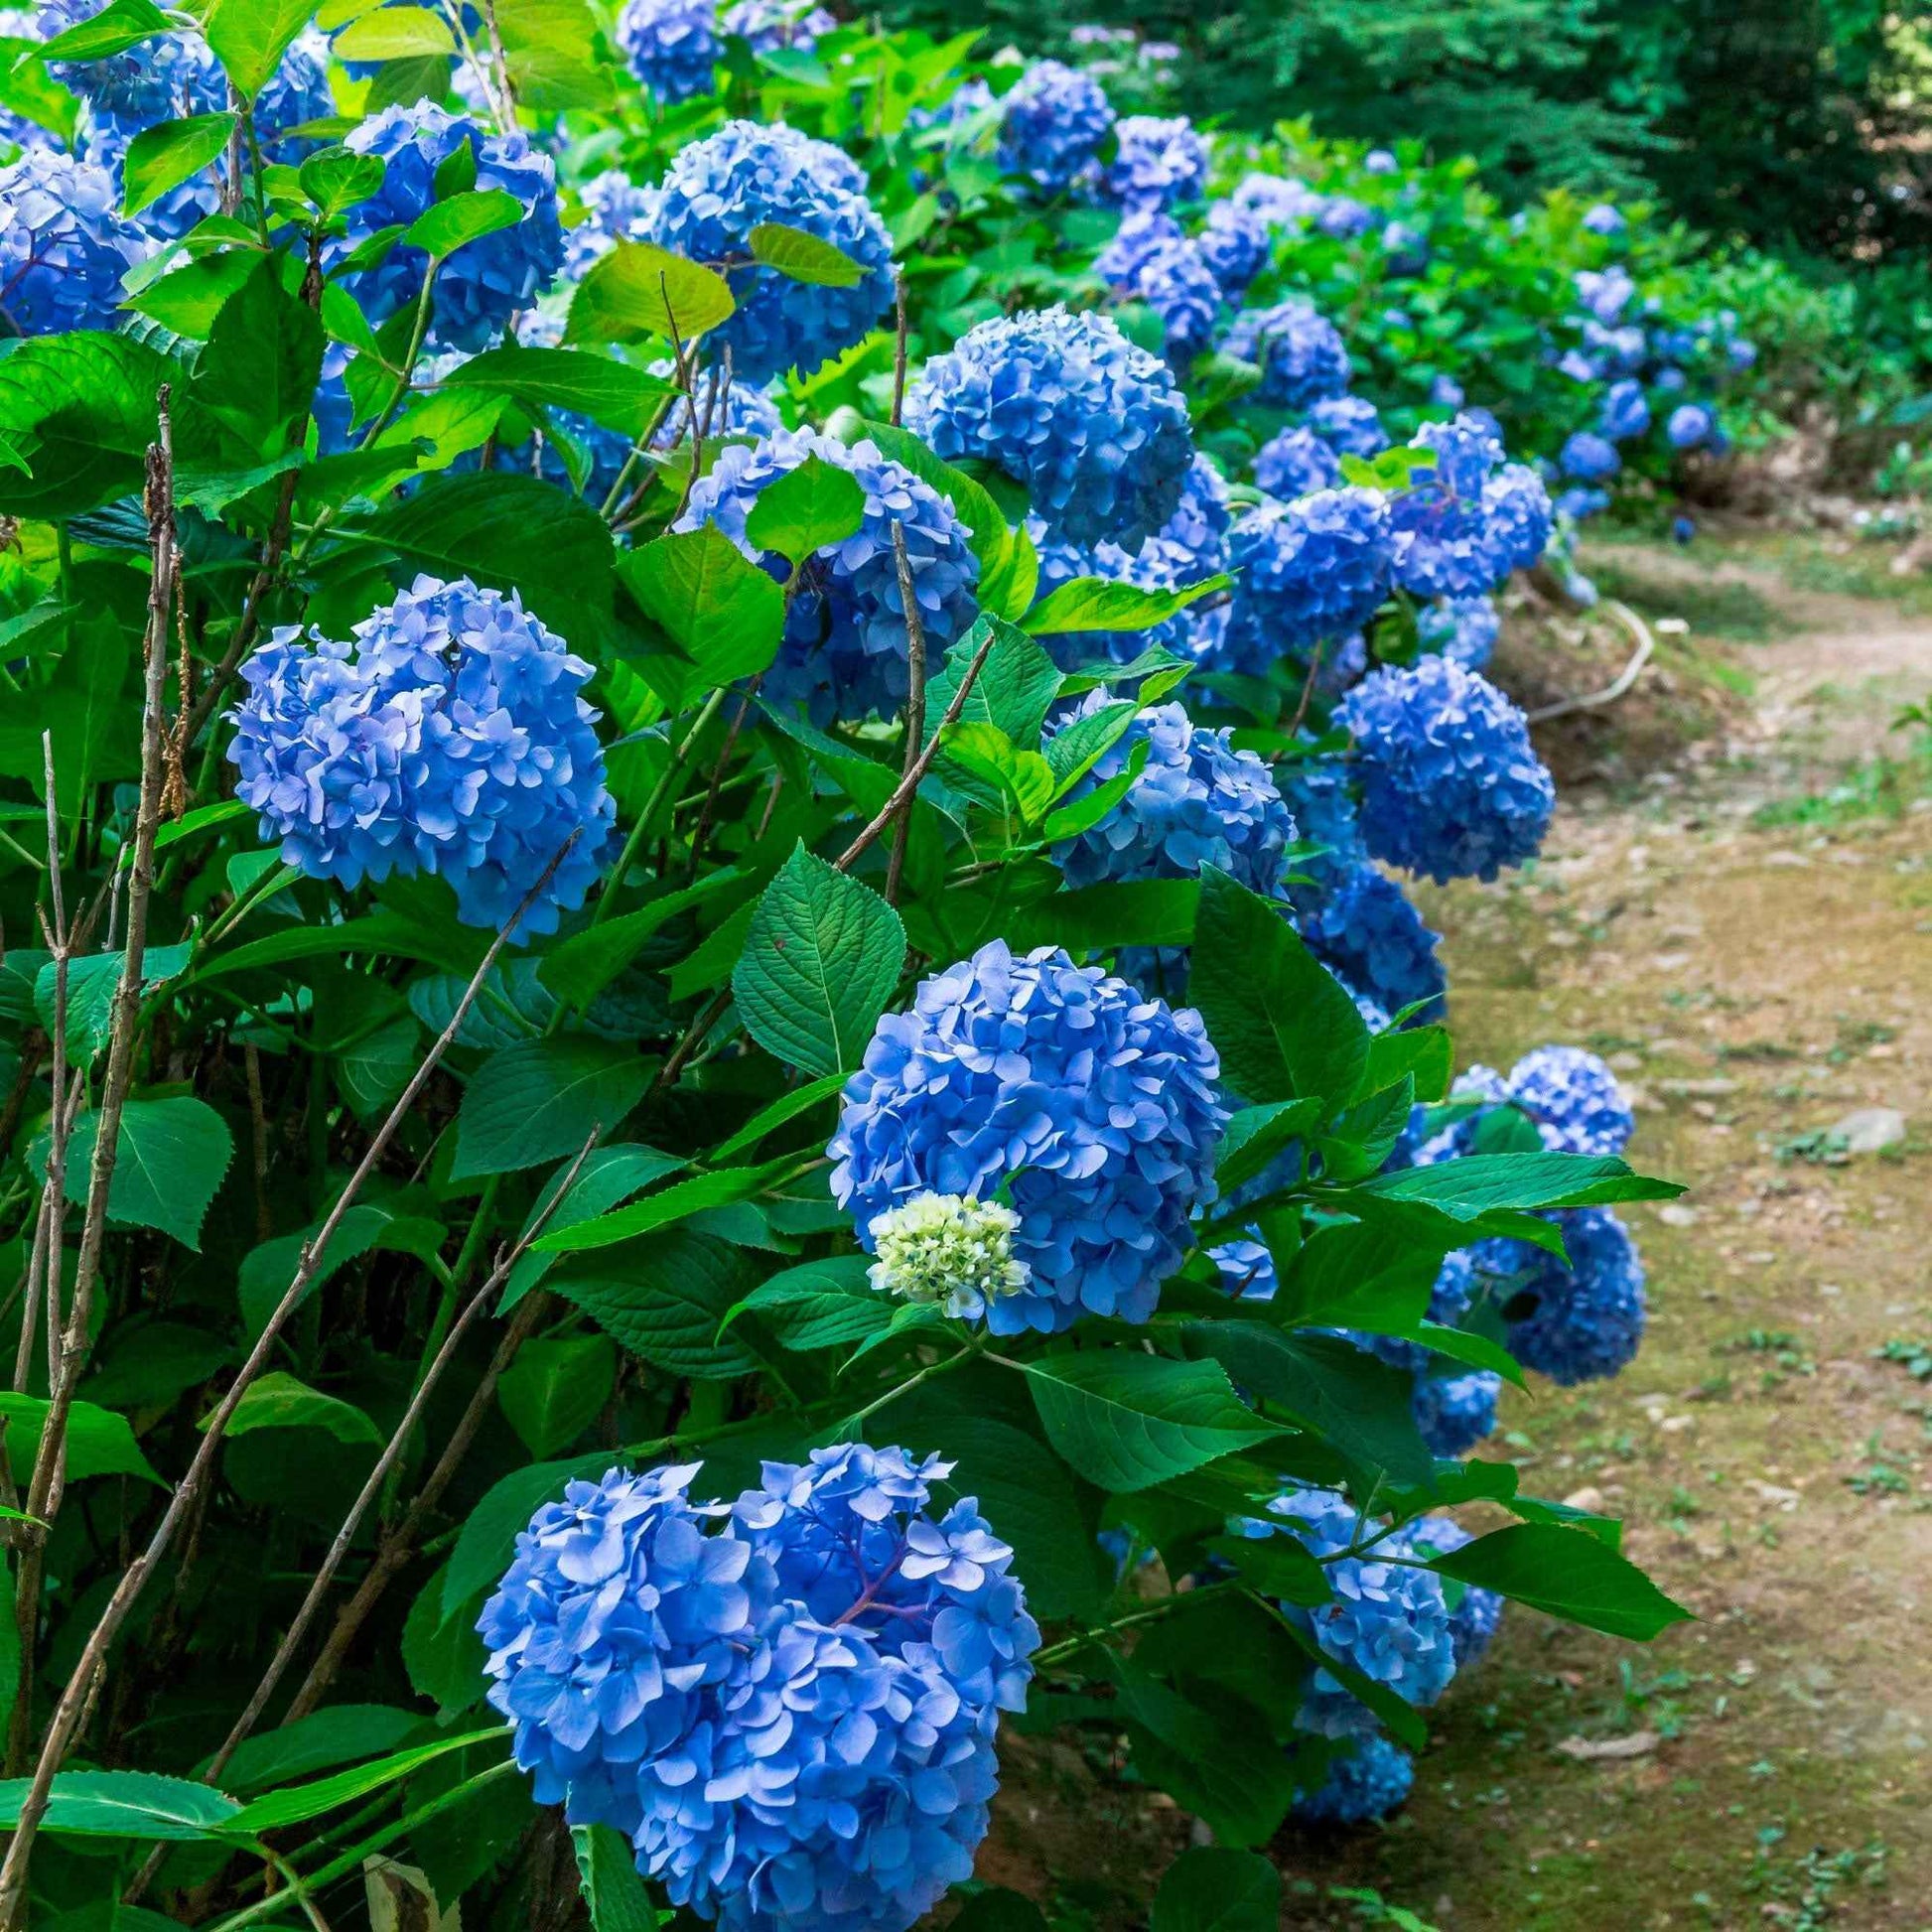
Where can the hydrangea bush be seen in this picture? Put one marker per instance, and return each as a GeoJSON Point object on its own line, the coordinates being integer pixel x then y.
{"type": "Point", "coordinates": [736, 967]}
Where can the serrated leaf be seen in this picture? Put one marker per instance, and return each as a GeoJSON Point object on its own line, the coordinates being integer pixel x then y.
{"type": "Point", "coordinates": [1569, 1573]}
{"type": "Point", "coordinates": [295, 1806]}
{"type": "Point", "coordinates": [278, 1400]}
{"type": "Point", "coordinates": [1211, 1889]}
{"type": "Point", "coordinates": [607, 1873]}
{"type": "Point", "coordinates": [171, 1157]}
{"type": "Point", "coordinates": [249, 36]}
{"type": "Point", "coordinates": [804, 257]}
{"type": "Point", "coordinates": [580, 382]}
{"type": "Point", "coordinates": [163, 157]}
{"type": "Point", "coordinates": [99, 1442]}
{"type": "Point", "coordinates": [445, 227]}
{"type": "Point", "coordinates": [1477, 1185]}
{"type": "Point", "coordinates": [677, 1202]}
{"type": "Point", "coordinates": [819, 1304]}
{"type": "Point", "coordinates": [723, 613]}
{"type": "Point", "coordinates": [395, 33]}
{"type": "Point", "coordinates": [637, 290]}
{"type": "Point", "coordinates": [806, 509]}
{"type": "Point", "coordinates": [1016, 686]}
{"type": "Point", "coordinates": [538, 1099]}
{"type": "Point", "coordinates": [93, 983]}
{"type": "Point", "coordinates": [665, 1300]}
{"type": "Point", "coordinates": [119, 25]}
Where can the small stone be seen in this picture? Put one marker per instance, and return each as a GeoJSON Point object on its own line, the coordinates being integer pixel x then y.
{"type": "Point", "coordinates": [1627, 1062]}
{"type": "Point", "coordinates": [1786, 859]}
{"type": "Point", "coordinates": [1677, 1214]}
{"type": "Point", "coordinates": [1589, 1499]}
{"type": "Point", "coordinates": [1591, 1750]}
{"type": "Point", "coordinates": [1870, 1130]}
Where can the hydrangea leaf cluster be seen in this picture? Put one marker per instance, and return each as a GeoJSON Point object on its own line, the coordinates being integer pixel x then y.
{"type": "Point", "coordinates": [449, 738]}
{"type": "Point", "coordinates": [1053, 125]}
{"type": "Point", "coordinates": [1451, 786]}
{"type": "Point", "coordinates": [744, 175]}
{"type": "Point", "coordinates": [484, 283]}
{"type": "Point", "coordinates": [63, 246]}
{"type": "Point", "coordinates": [1094, 1108]}
{"type": "Point", "coordinates": [1156, 162]}
{"type": "Point", "coordinates": [1307, 573]}
{"type": "Point", "coordinates": [1301, 353]}
{"type": "Point", "coordinates": [1093, 426]}
{"type": "Point", "coordinates": [845, 647]}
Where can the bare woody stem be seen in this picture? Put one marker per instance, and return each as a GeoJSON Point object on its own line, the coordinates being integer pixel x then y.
{"type": "Point", "coordinates": [65, 1725]}
{"type": "Point", "coordinates": [898, 346]}
{"type": "Point", "coordinates": [908, 595]}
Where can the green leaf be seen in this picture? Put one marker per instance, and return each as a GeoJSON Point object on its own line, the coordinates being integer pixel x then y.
{"type": "Point", "coordinates": [80, 410]}
{"type": "Point", "coordinates": [980, 760]}
{"type": "Point", "coordinates": [338, 179]}
{"type": "Point", "coordinates": [340, 1734]}
{"type": "Point", "coordinates": [582, 966]}
{"type": "Point", "coordinates": [249, 36]}
{"type": "Point", "coordinates": [606, 1873]}
{"type": "Point", "coordinates": [96, 729]}
{"type": "Point", "coordinates": [99, 1442]}
{"type": "Point", "coordinates": [445, 227]}
{"type": "Point", "coordinates": [639, 290]}
{"type": "Point", "coordinates": [821, 962]}
{"type": "Point", "coordinates": [268, 1269]}
{"type": "Point", "coordinates": [278, 1400]}
{"type": "Point", "coordinates": [170, 1160]}
{"type": "Point", "coordinates": [93, 983]}
{"type": "Point", "coordinates": [1284, 1025]}
{"type": "Point", "coordinates": [787, 1107]}
{"type": "Point", "coordinates": [263, 360]}
{"type": "Point", "coordinates": [1468, 1188]}
{"type": "Point", "coordinates": [537, 1100]}
{"type": "Point", "coordinates": [1210, 1889]}
{"type": "Point", "coordinates": [1014, 690]}
{"type": "Point", "coordinates": [665, 1300]}
{"type": "Point", "coordinates": [1281, 1566]}
{"type": "Point", "coordinates": [972, 502]}
{"type": "Point", "coordinates": [1355, 1276]}
{"type": "Point", "coordinates": [1255, 1136]}
{"type": "Point", "coordinates": [125, 1804]}
{"type": "Point", "coordinates": [819, 1304]}
{"type": "Point", "coordinates": [723, 613]}
{"type": "Point", "coordinates": [1569, 1573]}
{"type": "Point", "coordinates": [119, 25]}
{"type": "Point", "coordinates": [1116, 913]}
{"type": "Point", "coordinates": [582, 382]}
{"type": "Point", "coordinates": [1106, 603]}
{"type": "Point", "coordinates": [805, 509]}
{"type": "Point", "coordinates": [295, 1806]}
{"type": "Point", "coordinates": [1426, 1053]}
{"type": "Point", "coordinates": [442, 1654]}
{"type": "Point", "coordinates": [1127, 1421]}
{"type": "Point", "coordinates": [488, 1534]}
{"type": "Point", "coordinates": [555, 1390]}
{"type": "Point", "coordinates": [677, 1202]}
{"type": "Point", "coordinates": [607, 1176]}
{"type": "Point", "coordinates": [1214, 1751]}
{"type": "Point", "coordinates": [163, 157]}
{"type": "Point", "coordinates": [148, 1363]}
{"type": "Point", "coordinates": [804, 257]}
{"type": "Point", "coordinates": [395, 34]}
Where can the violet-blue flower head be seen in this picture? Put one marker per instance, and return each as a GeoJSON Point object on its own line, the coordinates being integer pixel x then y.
{"type": "Point", "coordinates": [1158, 163]}
{"type": "Point", "coordinates": [616, 208]}
{"type": "Point", "coordinates": [450, 738]}
{"type": "Point", "coordinates": [1519, 518]}
{"type": "Point", "coordinates": [1296, 463]}
{"type": "Point", "coordinates": [1604, 220]}
{"type": "Point", "coordinates": [1366, 930]}
{"type": "Point", "coordinates": [1299, 353]}
{"type": "Point", "coordinates": [1247, 1269]}
{"type": "Point", "coordinates": [844, 654]}
{"type": "Point", "coordinates": [1201, 519]}
{"type": "Point", "coordinates": [480, 286]}
{"type": "Point", "coordinates": [1574, 1098]}
{"type": "Point", "coordinates": [671, 46]}
{"type": "Point", "coordinates": [1625, 413]}
{"type": "Point", "coordinates": [769, 26]}
{"type": "Point", "coordinates": [1141, 232]}
{"type": "Point", "coordinates": [1456, 1407]}
{"type": "Point", "coordinates": [1235, 245]}
{"type": "Point", "coordinates": [1305, 573]}
{"type": "Point", "coordinates": [1317, 796]}
{"type": "Point", "coordinates": [1097, 1108]}
{"type": "Point", "coordinates": [744, 175]}
{"type": "Point", "coordinates": [1093, 426]}
{"type": "Point", "coordinates": [1478, 1611]}
{"type": "Point", "coordinates": [1690, 427]}
{"type": "Point", "coordinates": [1462, 628]}
{"type": "Point", "coordinates": [1366, 1785]}
{"type": "Point", "coordinates": [63, 246]}
{"type": "Point", "coordinates": [1349, 425]}
{"type": "Point", "coordinates": [1161, 564]}
{"type": "Point", "coordinates": [1451, 788]}
{"type": "Point", "coordinates": [1054, 123]}
{"type": "Point", "coordinates": [1174, 279]}
{"type": "Point", "coordinates": [1579, 1321]}
{"type": "Point", "coordinates": [1588, 457]}
{"type": "Point", "coordinates": [1342, 218]}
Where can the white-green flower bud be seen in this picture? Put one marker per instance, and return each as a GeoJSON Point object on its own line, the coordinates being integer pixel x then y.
{"type": "Point", "coordinates": [948, 1250]}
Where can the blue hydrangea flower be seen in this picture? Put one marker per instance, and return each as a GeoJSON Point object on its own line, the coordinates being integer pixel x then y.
{"type": "Point", "coordinates": [450, 738]}
{"type": "Point", "coordinates": [1175, 282]}
{"type": "Point", "coordinates": [1457, 1409]}
{"type": "Point", "coordinates": [1670, 380]}
{"type": "Point", "coordinates": [1606, 292]}
{"type": "Point", "coordinates": [1448, 1302]}
{"type": "Point", "coordinates": [1379, 161]}
{"type": "Point", "coordinates": [1158, 163]}
{"type": "Point", "coordinates": [672, 46]}
{"type": "Point", "coordinates": [1296, 463]}
{"type": "Point", "coordinates": [484, 282]}
{"type": "Point", "coordinates": [1201, 519]}
{"type": "Point", "coordinates": [770, 25]}
{"type": "Point", "coordinates": [1578, 506]}
{"type": "Point", "coordinates": [63, 246]}
{"type": "Point", "coordinates": [1196, 801]}
{"type": "Point", "coordinates": [1618, 351]}
{"type": "Point", "coordinates": [1444, 392]}
{"type": "Point", "coordinates": [1096, 1107]}
{"type": "Point", "coordinates": [1235, 245]}
{"type": "Point", "coordinates": [1573, 1099]}
{"type": "Point", "coordinates": [1299, 353]}
{"type": "Point", "coordinates": [1405, 249]}
{"type": "Point", "coordinates": [844, 647]}
{"type": "Point", "coordinates": [732, 409]}
{"type": "Point", "coordinates": [1386, 1620]}
{"type": "Point", "coordinates": [1343, 218]}
{"type": "Point", "coordinates": [1469, 520]}
{"type": "Point", "coordinates": [1451, 785]}
{"type": "Point", "coordinates": [1740, 354]}
{"type": "Point", "coordinates": [1053, 125]}
{"type": "Point", "coordinates": [1477, 1613]}
{"type": "Point", "coordinates": [1316, 793]}
{"type": "Point", "coordinates": [1604, 220]}
{"type": "Point", "coordinates": [156, 80]}
{"type": "Point", "coordinates": [1519, 515]}
{"type": "Point", "coordinates": [1280, 203]}
{"type": "Point", "coordinates": [1462, 628]}
{"type": "Point", "coordinates": [718, 190]}
{"type": "Point", "coordinates": [1589, 457]}
{"type": "Point", "coordinates": [1577, 1322]}
{"type": "Point", "coordinates": [1093, 426]}
{"type": "Point", "coordinates": [1247, 1269]}
{"type": "Point", "coordinates": [1366, 1785]}
{"type": "Point", "coordinates": [1349, 425]}
{"type": "Point", "coordinates": [1305, 573]}
{"type": "Point", "coordinates": [1365, 930]}
{"type": "Point", "coordinates": [1141, 232]}
{"type": "Point", "coordinates": [1690, 427]}
{"type": "Point", "coordinates": [1161, 564]}
{"type": "Point", "coordinates": [616, 209]}
{"type": "Point", "coordinates": [295, 93]}
{"type": "Point", "coordinates": [1626, 412]}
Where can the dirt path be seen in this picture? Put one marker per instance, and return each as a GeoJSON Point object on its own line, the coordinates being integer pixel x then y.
{"type": "Point", "coordinates": [1758, 965]}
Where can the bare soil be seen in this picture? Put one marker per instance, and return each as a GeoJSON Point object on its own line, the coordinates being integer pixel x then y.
{"type": "Point", "coordinates": [1737, 911]}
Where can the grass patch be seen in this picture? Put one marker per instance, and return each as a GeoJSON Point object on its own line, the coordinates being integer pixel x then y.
{"type": "Point", "coordinates": [1879, 787]}
{"type": "Point", "coordinates": [1738, 611]}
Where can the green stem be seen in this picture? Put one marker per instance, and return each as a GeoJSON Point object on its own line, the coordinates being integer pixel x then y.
{"type": "Point", "coordinates": [1072, 1647]}
{"type": "Point", "coordinates": [645, 827]}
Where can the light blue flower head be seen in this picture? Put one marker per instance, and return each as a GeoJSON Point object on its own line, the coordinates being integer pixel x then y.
{"type": "Point", "coordinates": [63, 246]}
{"type": "Point", "coordinates": [671, 46]}
{"type": "Point", "coordinates": [1299, 353]}
{"type": "Point", "coordinates": [1054, 123]}
{"type": "Point", "coordinates": [1158, 163]}
{"type": "Point", "coordinates": [1575, 1321]}
{"type": "Point", "coordinates": [1306, 573]}
{"type": "Point", "coordinates": [1366, 930]}
{"type": "Point", "coordinates": [1365, 1784]}
{"type": "Point", "coordinates": [1094, 1108]}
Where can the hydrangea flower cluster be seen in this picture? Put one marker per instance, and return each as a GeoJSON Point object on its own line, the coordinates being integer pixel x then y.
{"type": "Point", "coordinates": [1306, 573]}
{"type": "Point", "coordinates": [718, 190]}
{"type": "Point", "coordinates": [671, 46]}
{"type": "Point", "coordinates": [1158, 163]}
{"type": "Point", "coordinates": [725, 409]}
{"type": "Point", "coordinates": [1574, 1098]}
{"type": "Point", "coordinates": [789, 1706]}
{"type": "Point", "coordinates": [1579, 1321]}
{"type": "Point", "coordinates": [63, 246]}
{"type": "Point", "coordinates": [156, 80]}
{"type": "Point", "coordinates": [1465, 523]}
{"type": "Point", "coordinates": [1201, 519]}
{"type": "Point", "coordinates": [484, 283]}
{"type": "Point", "coordinates": [1315, 788]}
{"type": "Point", "coordinates": [1295, 461]}
{"type": "Point", "coordinates": [767, 26]}
{"type": "Point", "coordinates": [103, 139]}
{"type": "Point", "coordinates": [1349, 425]}
{"type": "Point", "coordinates": [1235, 243]}
{"type": "Point", "coordinates": [1054, 123]}
{"type": "Point", "coordinates": [1368, 1783]}
{"type": "Point", "coordinates": [1456, 1408]}
{"type": "Point", "coordinates": [844, 653]}
{"type": "Point", "coordinates": [1366, 930]}
{"type": "Point", "coordinates": [616, 209]}
{"type": "Point", "coordinates": [1247, 1269]}
{"type": "Point", "coordinates": [948, 1250]}
{"type": "Point", "coordinates": [1464, 628]}
{"type": "Point", "coordinates": [1174, 279]}
{"type": "Point", "coordinates": [1196, 801]}
{"type": "Point", "coordinates": [1301, 353]}
{"type": "Point", "coordinates": [1093, 426]}
{"type": "Point", "coordinates": [1589, 458]}
{"type": "Point", "coordinates": [1384, 1620]}
{"type": "Point", "coordinates": [1097, 1109]}
{"type": "Point", "coordinates": [1161, 564]}
{"type": "Point", "coordinates": [1479, 1612]}
{"type": "Point", "coordinates": [450, 738]}
{"type": "Point", "coordinates": [1451, 786]}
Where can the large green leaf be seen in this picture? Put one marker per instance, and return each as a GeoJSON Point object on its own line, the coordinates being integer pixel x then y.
{"type": "Point", "coordinates": [80, 410]}
{"type": "Point", "coordinates": [665, 1299]}
{"type": "Point", "coordinates": [395, 34]}
{"type": "Point", "coordinates": [582, 382]}
{"type": "Point", "coordinates": [339, 1734]}
{"type": "Point", "coordinates": [538, 1099]}
{"type": "Point", "coordinates": [804, 257]}
{"type": "Point", "coordinates": [456, 221]}
{"type": "Point", "coordinates": [1353, 1276]}
{"type": "Point", "coordinates": [1125, 1421]}
{"type": "Point", "coordinates": [805, 509]}
{"type": "Point", "coordinates": [139, 1804]}
{"type": "Point", "coordinates": [249, 36]}
{"type": "Point", "coordinates": [1568, 1572]}
{"type": "Point", "coordinates": [1211, 1889]}
{"type": "Point", "coordinates": [119, 25]}
{"type": "Point", "coordinates": [820, 1304]}
{"type": "Point", "coordinates": [606, 1177]}
{"type": "Point", "coordinates": [269, 1268]}
{"type": "Point", "coordinates": [556, 1389]}
{"type": "Point", "coordinates": [1214, 1751]}
{"type": "Point", "coordinates": [163, 157]}
{"type": "Point", "coordinates": [664, 1209]}
{"type": "Point", "coordinates": [171, 1157]}
{"type": "Point", "coordinates": [1284, 1025]}
{"type": "Point", "coordinates": [1468, 1188]}
{"type": "Point", "coordinates": [579, 968]}
{"type": "Point", "coordinates": [92, 982]}
{"type": "Point", "coordinates": [275, 1809]}
{"type": "Point", "coordinates": [1116, 913]}
{"type": "Point", "coordinates": [278, 1400]}
{"type": "Point", "coordinates": [263, 358]}
{"type": "Point", "coordinates": [99, 1442]}
{"type": "Point", "coordinates": [1106, 603]}
{"type": "Point", "coordinates": [639, 290]}
{"type": "Point", "coordinates": [1016, 686]}
{"type": "Point", "coordinates": [821, 960]}
{"type": "Point", "coordinates": [607, 1873]}
{"type": "Point", "coordinates": [724, 614]}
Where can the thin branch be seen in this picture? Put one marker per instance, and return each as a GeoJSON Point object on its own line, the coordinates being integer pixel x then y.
{"type": "Point", "coordinates": [1307, 690]}
{"type": "Point", "coordinates": [65, 1724]}
{"type": "Point", "coordinates": [908, 597]}
{"type": "Point", "coordinates": [725, 751]}
{"type": "Point", "coordinates": [898, 346]}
